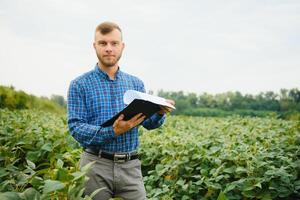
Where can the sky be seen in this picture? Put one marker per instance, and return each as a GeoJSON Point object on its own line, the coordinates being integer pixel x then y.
{"type": "Point", "coordinates": [196, 46]}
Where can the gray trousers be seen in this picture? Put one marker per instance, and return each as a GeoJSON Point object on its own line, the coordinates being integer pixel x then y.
{"type": "Point", "coordinates": [123, 180]}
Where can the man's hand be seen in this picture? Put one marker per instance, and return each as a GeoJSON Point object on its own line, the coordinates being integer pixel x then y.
{"type": "Point", "coordinates": [120, 126]}
{"type": "Point", "coordinates": [165, 109]}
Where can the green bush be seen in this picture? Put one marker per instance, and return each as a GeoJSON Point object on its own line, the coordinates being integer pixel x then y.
{"type": "Point", "coordinates": [233, 157]}
{"type": "Point", "coordinates": [12, 99]}
{"type": "Point", "coordinates": [38, 157]}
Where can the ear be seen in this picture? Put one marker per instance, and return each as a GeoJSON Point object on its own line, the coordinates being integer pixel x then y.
{"type": "Point", "coordinates": [123, 45]}
{"type": "Point", "coordinates": [94, 45]}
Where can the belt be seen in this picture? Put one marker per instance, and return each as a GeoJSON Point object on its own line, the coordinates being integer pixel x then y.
{"type": "Point", "coordinates": [116, 157]}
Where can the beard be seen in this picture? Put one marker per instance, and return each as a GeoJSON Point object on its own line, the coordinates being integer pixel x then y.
{"type": "Point", "coordinates": [109, 61]}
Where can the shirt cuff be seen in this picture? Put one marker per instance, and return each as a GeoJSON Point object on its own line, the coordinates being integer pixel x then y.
{"type": "Point", "coordinates": [107, 133]}
{"type": "Point", "coordinates": [159, 118]}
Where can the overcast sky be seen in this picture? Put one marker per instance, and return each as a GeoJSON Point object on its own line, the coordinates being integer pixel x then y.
{"type": "Point", "coordinates": [194, 46]}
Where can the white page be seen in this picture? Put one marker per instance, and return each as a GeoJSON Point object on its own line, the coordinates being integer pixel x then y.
{"type": "Point", "coordinates": [130, 95]}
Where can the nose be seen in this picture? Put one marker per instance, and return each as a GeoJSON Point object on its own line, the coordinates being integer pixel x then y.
{"type": "Point", "coordinates": [108, 48]}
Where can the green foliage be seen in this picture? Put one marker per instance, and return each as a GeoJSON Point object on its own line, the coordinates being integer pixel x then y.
{"type": "Point", "coordinates": [38, 157]}
{"type": "Point", "coordinates": [214, 112]}
{"type": "Point", "coordinates": [60, 100]}
{"type": "Point", "coordinates": [234, 103]}
{"type": "Point", "coordinates": [188, 158]}
{"type": "Point", "coordinates": [224, 158]}
{"type": "Point", "coordinates": [290, 115]}
{"type": "Point", "coordinates": [11, 99]}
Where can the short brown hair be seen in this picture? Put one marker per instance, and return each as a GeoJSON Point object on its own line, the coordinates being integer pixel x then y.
{"type": "Point", "coordinates": [107, 27]}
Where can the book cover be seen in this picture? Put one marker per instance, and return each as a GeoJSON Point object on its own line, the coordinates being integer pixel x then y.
{"type": "Point", "coordinates": [138, 102]}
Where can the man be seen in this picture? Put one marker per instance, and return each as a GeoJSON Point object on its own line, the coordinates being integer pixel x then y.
{"type": "Point", "coordinates": [95, 97]}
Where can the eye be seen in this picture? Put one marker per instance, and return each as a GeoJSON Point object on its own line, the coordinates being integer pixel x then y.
{"type": "Point", "coordinates": [102, 43]}
{"type": "Point", "coordinates": [115, 43]}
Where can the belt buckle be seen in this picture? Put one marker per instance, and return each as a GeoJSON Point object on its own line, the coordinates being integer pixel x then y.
{"type": "Point", "coordinates": [120, 158]}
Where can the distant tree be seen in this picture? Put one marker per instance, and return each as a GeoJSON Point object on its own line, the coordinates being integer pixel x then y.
{"type": "Point", "coordinates": [192, 99]}
{"type": "Point", "coordinates": [236, 100]}
{"type": "Point", "coordinates": [12, 99]}
{"type": "Point", "coordinates": [60, 100]}
{"type": "Point", "coordinates": [207, 100]}
{"type": "Point", "coordinates": [286, 100]}
{"type": "Point", "coordinates": [294, 94]}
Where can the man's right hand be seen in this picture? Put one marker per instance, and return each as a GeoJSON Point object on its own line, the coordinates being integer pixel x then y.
{"type": "Point", "coordinates": [120, 126]}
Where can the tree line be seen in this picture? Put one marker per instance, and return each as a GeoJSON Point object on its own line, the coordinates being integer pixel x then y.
{"type": "Point", "coordinates": [12, 99]}
{"type": "Point", "coordinates": [285, 104]}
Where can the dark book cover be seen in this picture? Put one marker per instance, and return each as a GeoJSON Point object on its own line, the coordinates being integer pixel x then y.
{"type": "Point", "coordinates": [135, 107]}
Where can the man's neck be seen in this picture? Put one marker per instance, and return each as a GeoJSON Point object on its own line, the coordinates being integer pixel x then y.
{"type": "Point", "coordinates": [110, 71]}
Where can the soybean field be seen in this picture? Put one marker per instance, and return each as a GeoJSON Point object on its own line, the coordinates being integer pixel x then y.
{"type": "Point", "coordinates": [187, 158]}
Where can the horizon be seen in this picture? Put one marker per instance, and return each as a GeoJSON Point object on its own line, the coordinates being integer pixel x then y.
{"type": "Point", "coordinates": [156, 92]}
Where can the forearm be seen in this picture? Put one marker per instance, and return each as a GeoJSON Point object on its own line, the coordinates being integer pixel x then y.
{"type": "Point", "coordinates": [87, 134]}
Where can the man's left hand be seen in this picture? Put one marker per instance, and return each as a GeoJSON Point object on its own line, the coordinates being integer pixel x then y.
{"type": "Point", "coordinates": [165, 109]}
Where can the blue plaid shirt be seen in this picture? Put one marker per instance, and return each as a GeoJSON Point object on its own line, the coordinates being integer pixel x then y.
{"type": "Point", "coordinates": [94, 98]}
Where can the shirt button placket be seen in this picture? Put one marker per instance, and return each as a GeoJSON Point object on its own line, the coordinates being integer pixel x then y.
{"type": "Point", "coordinates": [113, 97]}
{"type": "Point", "coordinates": [113, 100]}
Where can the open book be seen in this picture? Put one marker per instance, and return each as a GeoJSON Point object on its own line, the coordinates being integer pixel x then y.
{"type": "Point", "coordinates": [138, 102]}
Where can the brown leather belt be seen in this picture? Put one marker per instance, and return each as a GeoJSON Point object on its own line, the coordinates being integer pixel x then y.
{"type": "Point", "coordinates": [116, 157]}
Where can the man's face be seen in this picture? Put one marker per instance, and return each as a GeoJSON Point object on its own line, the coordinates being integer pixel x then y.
{"type": "Point", "coordinates": [109, 47]}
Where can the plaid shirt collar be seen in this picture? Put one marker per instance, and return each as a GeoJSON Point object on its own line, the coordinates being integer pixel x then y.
{"type": "Point", "coordinates": [104, 75]}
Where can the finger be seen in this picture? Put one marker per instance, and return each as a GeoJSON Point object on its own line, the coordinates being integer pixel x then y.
{"type": "Point", "coordinates": [170, 101]}
{"type": "Point", "coordinates": [169, 109]}
{"type": "Point", "coordinates": [120, 118]}
{"type": "Point", "coordinates": [140, 120]}
{"type": "Point", "coordinates": [165, 109]}
{"type": "Point", "coordinates": [134, 122]}
{"type": "Point", "coordinates": [137, 116]}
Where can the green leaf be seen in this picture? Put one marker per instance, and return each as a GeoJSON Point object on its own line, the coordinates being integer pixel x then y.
{"type": "Point", "coordinates": [258, 185]}
{"type": "Point", "coordinates": [78, 175]}
{"type": "Point", "coordinates": [63, 175]}
{"type": "Point", "coordinates": [229, 170]}
{"type": "Point", "coordinates": [33, 155]}
{"type": "Point", "coordinates": [230, 187]}
{"type": "Point", "coordinates": [87, 166]}
{"type": "Point", "coordinates": [10, 196]}
{"type": "Point", "coordinates": [59, 163]}
{"type": "Point", "coordinates": [297, 185]}
{"type": "Point", "coordinates": [240, 170]}
{"type": "Point", "coordinates": [266, 196]}
{"type": "Point", "coordinates": [47, 147]}
{"type": "Point", "coordinates": [36, 181]}
{"type": "Point", "coordinates": [30, 194]}
{"type": "Point", "coordinates": [180, 182]}
{"type": "Point", "coordinates": [30, 164]}
{"type": "Point", "coordinates": [222, 196]}
{"type": "Point", "coordinates": [51, 185]}
{"type": "Point", "coordinates": [185, 197]}
{"type": "Point", "coordinates": [159, 167]}
{"type": "Point", "coordinates": [3, 172]}
{"type": "Point", "coordinates": [96, 191]}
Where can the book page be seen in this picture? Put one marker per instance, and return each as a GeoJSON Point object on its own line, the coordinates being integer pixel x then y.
{"type": "Point", "coordinates": [130, 95]}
